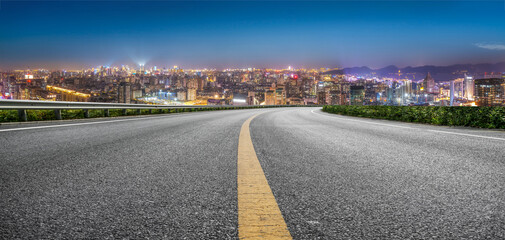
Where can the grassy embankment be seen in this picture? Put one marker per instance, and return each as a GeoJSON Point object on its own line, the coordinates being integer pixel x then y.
{"type": "Point", "coordinates": [481, 117]}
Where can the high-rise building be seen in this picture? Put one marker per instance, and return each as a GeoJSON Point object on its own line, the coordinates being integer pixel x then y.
{"type": "Point", "coordinates": [469, 87]}
{"type": "Point", "coordinates": [357, 95]}
{"type": "Point", "coordinates": [124, 92]}
{"type": "Point", "coordinates": [181, 96]}
{"type": "Point", "coordinates": [251, 98]}
{"type": "Point", "coordinates": [191, 94]}
{"type": "Point", "coordinates": [321, 98]}
{"type": "Point", "coordinates": [335, 97]}
{"type": "Point", "coordinates": [451, 97]}
{"type": "Point", "coordinates": [275, 96]}
{"type": "Point", "coordinates": [192, 83]}
{"type": "Point", "coordinates": [201, 83]}
{"type": "Point", "coordinates": [459, 87]}
{"type": "Point", "coordinates": [270, 97]}
{"type": "Point", "coordinates": [429, 84]}
{"type": "Point", "coordinates": [489, 91]}
{"type": "Point", "coordinates": [280, 95]}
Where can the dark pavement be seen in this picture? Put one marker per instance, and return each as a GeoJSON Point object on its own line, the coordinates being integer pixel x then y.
{"type": "Point", "coordinates": [337, 177]}
{"type": "Point", "coordinates": [172, 177]}
{"type": "Point", "coordinates": [175, 177]}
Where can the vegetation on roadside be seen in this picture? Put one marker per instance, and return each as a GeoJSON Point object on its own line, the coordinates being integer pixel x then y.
{"type": "Point", "coordinates": [482, 117]}
{"type": "Point", "coordinates": [42, 115]}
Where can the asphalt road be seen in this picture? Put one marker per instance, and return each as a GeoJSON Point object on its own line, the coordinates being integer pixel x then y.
{"type": "Point", "coordinates": [175, 177]}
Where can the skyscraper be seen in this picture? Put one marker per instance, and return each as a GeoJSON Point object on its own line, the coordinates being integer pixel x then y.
{"type": "Point", "coordinates": [357, 95]}
{"type": "Point", "coordinates": [270, 97]}
{"type": "Point", "coordinates": [124, 92]}
{"type": "Point", "coordinates": [191, 96]}
{"type": "Point", "coordinates": [469, 87]}
{"type": "Point", "coordinates": [280, 95]}
{"type": "Point", "coordinates": [452, 94]}
{"type": "Point", "coordinates": [489, 91]}
{"type": "Point", "coordinates": [321, 98]}
{"type": "Point", "coordinates": [429, 84]}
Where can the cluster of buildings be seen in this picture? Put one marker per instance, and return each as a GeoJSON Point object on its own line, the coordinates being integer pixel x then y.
{"type": "Point", "coordinates": [175, 86]}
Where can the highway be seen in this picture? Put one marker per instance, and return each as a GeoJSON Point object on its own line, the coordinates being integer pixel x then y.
{"type": "Point", "coordinates": [175, 176]}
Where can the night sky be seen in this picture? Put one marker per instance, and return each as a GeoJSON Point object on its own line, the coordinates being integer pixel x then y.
{"type": "Point", "coordinates": [196, 34]}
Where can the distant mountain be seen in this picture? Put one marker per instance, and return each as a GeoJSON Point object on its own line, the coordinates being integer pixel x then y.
{"type": "Point", "coordinates": [353, 70]}
{"type": "Point", "coordinates": [439, 73]}
{"type": "Point", "coordinates": [388, 69]}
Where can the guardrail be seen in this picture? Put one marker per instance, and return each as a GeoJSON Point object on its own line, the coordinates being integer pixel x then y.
{"type": "Point", "coordinates": [57, 106]}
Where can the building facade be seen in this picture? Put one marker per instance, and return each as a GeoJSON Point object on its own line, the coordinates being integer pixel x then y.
{"type": "Point", "coordinates": [489, 92]}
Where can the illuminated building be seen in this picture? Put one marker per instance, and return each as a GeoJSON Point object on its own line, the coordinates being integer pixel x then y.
{"type": "Point", "coordinates": [294, 101]}
{"type": "Point", "coordinates": [280, 95]}
{"type": "Point", "coordinates": [469, 87]}
{"type": "Point", "coordinates": [276, 96]}
{"type": "Point", "coordinates": [321, 98]}
{"type": "Point", "coordinates": [429, 85]}
{"type": "Point", "coordinates": [326, 78]}
{"type": "Point", "coordinates": [452, 94]}
{"type": "Point", "coordinates": [201, 83]}
{"type": "Point", "coordinates": [357, 95]}
{"type": "Point", "coordinates": [181, 96]}
{"type": "Point", "coordinates": [489, 91]}
{"type": "Point", "coordinates": [136, 94]}
{"type": "Point", "coordinates": [67, 94]}
{"type": "Point", "coordinates": [192, 83]}
{"type": "Point", "coordinates": [270, 97]}
{"type": "Point", "coordinates": [124, 92]}
{"type": "Point", "coordinates": [336, 95]}
{"type": "Point", "coordinates": [268, 86]}
{"type": "Point", "coordinates": [191, 94]}
{"type": "Point", "coordinates": [251, 98]}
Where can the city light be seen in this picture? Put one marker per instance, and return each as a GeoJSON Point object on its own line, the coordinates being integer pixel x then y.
{"type": "Point", "coordinates": [268, 86]}
{"type": "Point", "coordinates": [68, 91]}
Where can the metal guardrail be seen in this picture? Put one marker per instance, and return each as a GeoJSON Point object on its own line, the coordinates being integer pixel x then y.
{"type": "Point", "coordinates": [57, 106]}
{"type": "Point", "coordinates": [49, 105]}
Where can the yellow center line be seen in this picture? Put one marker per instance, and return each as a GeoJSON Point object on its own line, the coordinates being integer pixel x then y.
{"type": "Point", "coordinates": [259, 216]}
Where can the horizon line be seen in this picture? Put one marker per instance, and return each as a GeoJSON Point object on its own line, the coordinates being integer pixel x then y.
{"type": "Point", "coordinates": [226, 68]}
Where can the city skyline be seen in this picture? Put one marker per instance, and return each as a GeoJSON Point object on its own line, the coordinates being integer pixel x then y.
{"type": "Point", "coordinates": [240, 34]}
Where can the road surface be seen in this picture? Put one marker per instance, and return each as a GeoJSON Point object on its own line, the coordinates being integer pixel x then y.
{"type": "Point", "coordinates": [175, 177]}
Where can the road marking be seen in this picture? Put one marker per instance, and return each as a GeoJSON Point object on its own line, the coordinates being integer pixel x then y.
{"type": "Point", "coordinates": [259, 216]}
{"type": "Point", "coordinates": [79, 124]}
{"type": "Point", "coordinates": [469, 135]}
{"type": "Point", "coordinates": [429, 130]}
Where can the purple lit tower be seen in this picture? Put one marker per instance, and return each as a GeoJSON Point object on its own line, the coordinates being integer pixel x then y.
{"type": "Point", "coordinates": [429, 84]}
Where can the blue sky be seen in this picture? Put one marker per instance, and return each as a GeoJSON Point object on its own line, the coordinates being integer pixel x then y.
{"type": "Point", "coordinates": [70, 34]}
